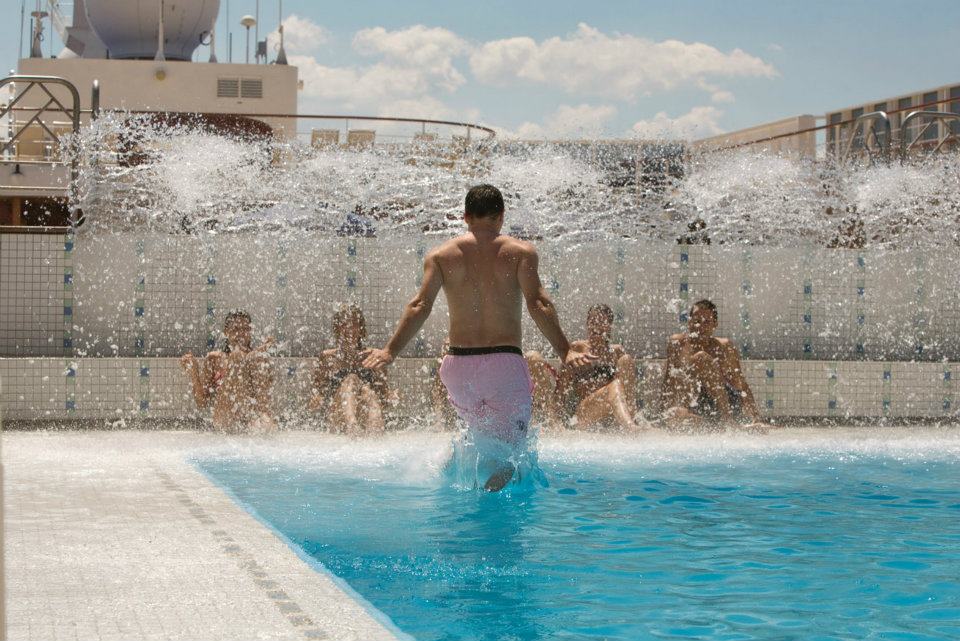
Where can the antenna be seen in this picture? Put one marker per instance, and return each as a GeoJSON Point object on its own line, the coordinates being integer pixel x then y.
{"type": "Point", "coordinates": [159, 57]}
{"type": "Point", "coordinates": [35, 49]}
{"type": "Point", "coordinates": [213, 42]}
{"type": "Point", "coordinates": [281, 53]}
{"type": "Point", "coordinates": [229, 36]}
{"type": "Point", "coordinates": [23, 12]}
{"type": "Point", "coordinates": [256, 29]}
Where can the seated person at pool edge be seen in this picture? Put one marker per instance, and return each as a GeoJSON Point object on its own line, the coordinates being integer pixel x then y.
{"type": "Point", "coordinates": [236, 380]}
{"type": "Point", "coordinates": [353, 397]}
{"type": "Point", "coordinates": [603, 394]}
{"type": "Point", "coordinates": [486, 277]}
{"type": "Point", "coordinates": [703, 382]}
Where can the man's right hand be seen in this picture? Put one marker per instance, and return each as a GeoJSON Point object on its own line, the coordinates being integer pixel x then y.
{"type": "Point", "coordinates": [577, 359]}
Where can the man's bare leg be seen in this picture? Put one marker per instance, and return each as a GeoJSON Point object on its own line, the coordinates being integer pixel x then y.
{"type": "Point", "coordinates": [546, 405]}
{"type": "Point", "coordinates": [627, 375]}
{"type": "Point", "coordinates": [343, 409]}
{"type": "Point", "coordinates": [605, 406]}
{"type": "Point", "coordinates": [370, 411]}
{"type": "Point", "coordinates": [706, 370]}
{"type": "Point", "coordinates": [499, 479]}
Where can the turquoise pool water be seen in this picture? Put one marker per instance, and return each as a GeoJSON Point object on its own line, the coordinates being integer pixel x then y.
{"type": "Point", "coordinates": [765, 545]}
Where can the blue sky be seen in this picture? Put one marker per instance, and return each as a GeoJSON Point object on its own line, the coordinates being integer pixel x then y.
{"type": "Point", "coordinates": [569, 68]}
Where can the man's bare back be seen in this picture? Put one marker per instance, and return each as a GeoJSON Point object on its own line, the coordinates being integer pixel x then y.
{"type": "Point", "coordinates": [486, 278]}
{"type": "Point", "coordinates": [482, 286]}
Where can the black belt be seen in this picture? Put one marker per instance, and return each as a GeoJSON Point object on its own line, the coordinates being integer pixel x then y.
{"type": "Point", "coordinates": [480, 351]}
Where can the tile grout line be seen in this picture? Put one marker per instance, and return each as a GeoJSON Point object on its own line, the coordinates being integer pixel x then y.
{"type": "Point", "coordinates": [270, 588]}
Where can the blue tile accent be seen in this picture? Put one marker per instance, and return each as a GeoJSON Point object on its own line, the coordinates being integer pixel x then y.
{"type": "Point", "coordinates": [919, 349]}
{"type": "Point", "coordinates": [770, 372]}
{"type": "Point", "coordinates": [747, 287]}
{"type": "Point", "coordinates": [68, 279]}
{"type": "Point", "coordinates": [68, 343]}
{"type": "Point", "coordinates": [684, 258]}
{"type": "Point", "coordinates": [351, 282]}
{"type": "Point", "coordinates": [684, 287]}
{"type": "Point", "coordinates": [281, 281]}
{"type": "Point", "coordinates": [860, 349]}
{"type": "Point", "coordinates": [807, 348]}
{"type": "Point", "coordinates": [138, 311]}
{"type": "Point", "coordinates": [71, 372]}
{"type": "Point", "coordinates": [622, 285]}
{"type": "Point", "coordinates": [683, 317]}
{"type": "Point", "coordinates": [68, 246]}
{"type": "Point", "coordinates": [70, 405]}
{"type": "Point", "coordinates": [946, 405]}
{"type": "Point", "coordinates": [947, 375]}
{"type": "Point", "coordinates": [211, 280]}
{"type": "Point", "coordinates": [886, 404]}
{"type": "Point", "coordinates": [144, 372]}
{"type": "Point", "coordinates": [351, 249]}
{"type": "Point", "coordinates": [861, 291]}
{"type": "Point", "coordinates": [769, 403]}
{"type": "Point", "coordinates": [621, 254]}
{"type": "Point", "coordinates": [291, 371]}
{"type": "Point", "coordinates": [831, 404]}
{"type": "Point", "coordinates": [421, 252]}
{"type": "Point", "coordinates": [887, 375]}
{"type": "Point", "coordinates": [138, 343]}
{"type": "Point", "coordinates": [210, 311]}
{"type": "Point", "coordinates": [861, 262]}
{"type": "Point", "coordinates": [808, 289]}
{"type": "Point", "coordinates": [861, 319]}
{"type": "Point", "coordinates": [67, 310]}
{"type": "Point", "coordinates": [142, 280]}
{"type": "Point", "coordinates": [554, 285]}
{"type": "Point", "coordinates": [211, 344]}
{"type": "Point", "coordinates": [807, 318]}
{"type": "Point", "coordinates": [144, 406]}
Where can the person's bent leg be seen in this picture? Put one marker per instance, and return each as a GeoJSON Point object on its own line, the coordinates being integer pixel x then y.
{"type": "Point", "coordinates": [706, 369]}
{"type": "Point", "coordinates": [546, 406]}
{"type": "Point", "coordinates": [620, 407]}
{"type": "Point", "coordinates": [681, 418]}
{"type": "Point", "coordinates": [370, 411]}
{"type": "Point", "coordinates": [627, 375]}
{"type": "Point", "coordinates": [343, 408]}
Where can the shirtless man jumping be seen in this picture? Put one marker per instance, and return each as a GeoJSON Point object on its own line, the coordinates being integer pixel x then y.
{"type": "Point", "coordinates": [486, 278]}
{"type": "Point", "coordinates": [703, 382]}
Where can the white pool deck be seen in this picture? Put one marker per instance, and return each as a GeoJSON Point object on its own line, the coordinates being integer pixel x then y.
{"type": "Point", "coordinates": [114, 535]}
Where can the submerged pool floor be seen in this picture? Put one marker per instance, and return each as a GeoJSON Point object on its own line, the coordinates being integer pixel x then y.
{"type": "Point", "coordinates": [812, 541]}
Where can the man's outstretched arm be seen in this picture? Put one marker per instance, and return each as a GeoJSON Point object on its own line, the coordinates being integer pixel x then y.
{"type": "Point", "coordinates": [543, 311]}
{"type": "Point", "coordinates": [414, 315]}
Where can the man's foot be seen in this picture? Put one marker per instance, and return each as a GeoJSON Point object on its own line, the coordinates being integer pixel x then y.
{"type": "Point", "coordinates": [499, 479]}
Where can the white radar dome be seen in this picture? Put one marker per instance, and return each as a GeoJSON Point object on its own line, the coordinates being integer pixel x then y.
{"type": "Point", "coordinates": [129, 28]}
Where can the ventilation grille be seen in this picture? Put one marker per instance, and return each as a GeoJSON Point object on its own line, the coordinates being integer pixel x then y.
{"type": "Point", "coordinates": [251, 88]}
{"type": "Point", "coordinates": [228, 87]}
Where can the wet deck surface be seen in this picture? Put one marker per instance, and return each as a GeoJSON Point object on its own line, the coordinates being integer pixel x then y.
{"type": "Point", "coordinates": [115, 535]}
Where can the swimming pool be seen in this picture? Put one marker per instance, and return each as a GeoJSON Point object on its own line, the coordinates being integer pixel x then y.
{"type": "Point", "coordinates": [822, 537]}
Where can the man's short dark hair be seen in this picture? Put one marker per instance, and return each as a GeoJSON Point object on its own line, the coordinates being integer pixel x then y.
{"type": "Point", "coordinates": [237, 315]}
{"type": "Point", "coordinates": [483, 201]}
{"type": "Point", "coordinates": [602, 309]}
{"type": "Point", "coordinates": [707, 304]}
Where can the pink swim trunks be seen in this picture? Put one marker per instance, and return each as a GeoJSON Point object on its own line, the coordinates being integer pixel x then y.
{"type": "Point", "coordinates": [491, 391]}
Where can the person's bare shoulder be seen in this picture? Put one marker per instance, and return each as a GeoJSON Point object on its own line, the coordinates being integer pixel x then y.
{"type": "Point", "coordinates": [676, 339]}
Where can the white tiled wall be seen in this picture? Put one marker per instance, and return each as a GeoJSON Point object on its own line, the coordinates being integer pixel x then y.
{"type": "Point", "coordinates": [826, 323]}
{"type": "Point", "coordinates": [113, 388]}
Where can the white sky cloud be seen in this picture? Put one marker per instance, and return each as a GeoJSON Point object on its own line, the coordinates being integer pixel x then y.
{"type": "Point", "coordinates": [407, 72]}
{"type": "Point", "coordinates": [699, 122]}
{"type": "Point", "coordinates": [300, 35]}
{"type": "Point", "coordinates": [580, 121]}
{"type": "Point", "coordinates": [620, 66]}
